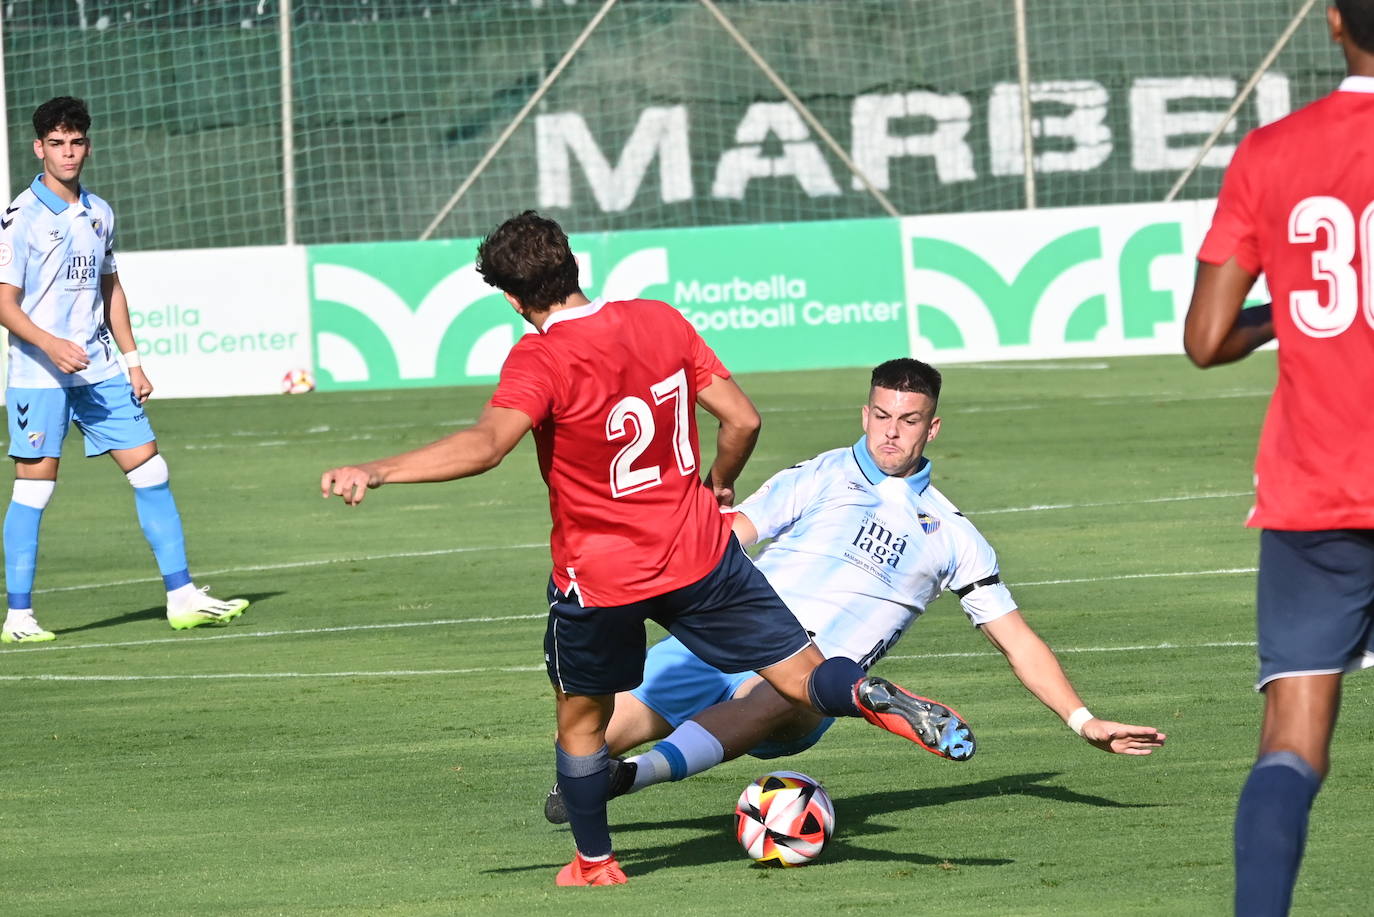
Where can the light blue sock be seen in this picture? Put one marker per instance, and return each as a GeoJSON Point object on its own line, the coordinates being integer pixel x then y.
{"type": "Point", "coordinates": [157, 514]}
{"type": "Point", "coordinates": [21, 553]}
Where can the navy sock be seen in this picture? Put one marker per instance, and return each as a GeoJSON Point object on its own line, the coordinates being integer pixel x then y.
{"type": "Point", "coordinates": [1271, 831]}
{"type": "Point", "coordinates": [832, 686]}
{"type": "Point", "coordinates": [585, 783]}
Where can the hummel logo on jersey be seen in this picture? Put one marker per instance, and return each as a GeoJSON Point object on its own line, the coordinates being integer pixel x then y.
{"type": "Point", "coordinates": [856, 486]}
{"type": "Point", "coordinates": [880, 544]}
{"type": "Point", "coordinates": [5, 223]}
{"type": "Point", "coordinates": [23, 409]}
{"type": "Point", "coordinates": [54, 235]}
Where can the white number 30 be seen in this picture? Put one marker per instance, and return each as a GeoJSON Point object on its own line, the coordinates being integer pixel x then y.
{"type": "Point", "coordinates": [632, 411]}
{"type": "Point", "coordinates": [1334, 265]}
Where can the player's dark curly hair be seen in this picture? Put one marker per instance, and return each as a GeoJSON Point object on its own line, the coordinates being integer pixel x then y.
{"type": "Point", "coordinates": [528, 256]}
{"type": "Point", "coordinates": [907, 375]}
{"type": "Point", "coordinates": [61, 112]}
{"type": "Point", "coordinates": [1358, 16]}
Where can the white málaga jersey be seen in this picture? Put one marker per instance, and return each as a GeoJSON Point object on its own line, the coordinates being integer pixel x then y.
{"type": "Point", "coordinates": [56, 253]}
{"type": "Point", "coordinates": [858, 555]}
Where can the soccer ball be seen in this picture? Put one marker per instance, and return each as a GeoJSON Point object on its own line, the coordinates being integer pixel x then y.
{"type": "Point", "coordinates": [784, 819]}
{"type": "Point", "coordinates": [297, 382]}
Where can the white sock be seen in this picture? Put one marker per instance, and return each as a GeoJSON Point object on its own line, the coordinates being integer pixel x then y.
{"type": "Point", "coordinates": [689, 750]}
{"type": "Point", "coordinates": [18, 616]}
{"type": "Point", "coordinates": [182, 593]}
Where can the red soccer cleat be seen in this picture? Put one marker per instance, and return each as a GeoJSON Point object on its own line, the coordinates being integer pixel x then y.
{"type": "Point", "coordinates": [595, 872]}
{"type": "Point", "coordinates": [928, 723]}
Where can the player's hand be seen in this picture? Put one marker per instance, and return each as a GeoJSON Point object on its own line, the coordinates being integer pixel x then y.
{"type": "Point", "coordinates": [1121, 738]}
{"type": "Point", "coordinates": [140, 384]}
{"type": "Point", "coordinates": [68, 356]}
{"type": "Point", "coordinates": [350, 482]}
{"type": "Point", "coordinates": [724, 493]}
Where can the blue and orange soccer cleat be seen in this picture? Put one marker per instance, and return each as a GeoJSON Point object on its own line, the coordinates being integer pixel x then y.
{"type": "Point", "coordinates": [592, 872]}
{"type": "Point", "coordinates": [928, 723]}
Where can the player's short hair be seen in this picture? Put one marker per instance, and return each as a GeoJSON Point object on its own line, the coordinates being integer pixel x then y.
{"type": "Point", "coordinates": [907, 375]}
{"type": "Point", "coordinates": [1358, 16]}
{"type": "Point", "coordinates": [61, 112]}
{"type": "Point", "coordinates": [528, 256]}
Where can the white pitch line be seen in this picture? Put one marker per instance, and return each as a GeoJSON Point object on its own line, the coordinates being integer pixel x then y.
{"type": "Point", "coordinates": [1037, 507]}
{"type": "Point", "coordinates": [250, 634]}
{"type": "Point", "coordinates": [241, 635]}
{"type": "Point", "coordinates": [297, 564]}
{"type": "Point", "coordinates": [410, 673]}
{"type": "Point", "coordinates": [1227, 571]}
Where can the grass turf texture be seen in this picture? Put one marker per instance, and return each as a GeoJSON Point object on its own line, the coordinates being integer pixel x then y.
{"type": "Point", "coordinates": [374, 735]}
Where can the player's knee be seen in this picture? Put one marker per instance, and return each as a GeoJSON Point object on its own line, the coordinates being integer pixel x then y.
{"type": "Point", "coordinates": [151, 473]}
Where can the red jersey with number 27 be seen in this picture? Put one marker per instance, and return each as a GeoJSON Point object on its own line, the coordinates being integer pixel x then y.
{"type": "Point", "coordinates": [611, 388]}
{"type": "Point", "coordinates": [1297, 204]}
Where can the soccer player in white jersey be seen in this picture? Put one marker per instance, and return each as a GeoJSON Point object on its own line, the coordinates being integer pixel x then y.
{"type": "Point", "coordinates": [61, 300]}
{"type": "Point", "coordinates": [861, 543]}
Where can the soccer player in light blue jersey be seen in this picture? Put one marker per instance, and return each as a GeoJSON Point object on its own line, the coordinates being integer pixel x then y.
{"type": "Point", "coordinates": [861, 543]}
{"type": "Point", "coordinates": [61, 300]}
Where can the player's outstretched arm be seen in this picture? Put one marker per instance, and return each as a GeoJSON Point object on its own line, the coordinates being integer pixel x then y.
{"type": "Point", "coordinates": [1036, 666]}
{"type": "Point", "coordinates": [739, 431]}
{"type": "Point", "coordinates": [1217, 330]}
{"type": "Point", "coordinates": [479, 448]}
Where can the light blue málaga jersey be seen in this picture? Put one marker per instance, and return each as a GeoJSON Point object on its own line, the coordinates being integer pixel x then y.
{"type": "Point", "coordinates": [858, 555]}
{"type": "Point", "coordinates": [56, 253]}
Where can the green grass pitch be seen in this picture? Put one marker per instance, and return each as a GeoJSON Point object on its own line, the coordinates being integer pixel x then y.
{"type": "Point", "coordinates": [374, 737]}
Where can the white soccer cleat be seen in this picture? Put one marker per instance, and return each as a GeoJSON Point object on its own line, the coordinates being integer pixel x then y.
{"type": "Point", "coordinates": [23, 628]}
{"type": "Point", "coordinates": [199, 607]}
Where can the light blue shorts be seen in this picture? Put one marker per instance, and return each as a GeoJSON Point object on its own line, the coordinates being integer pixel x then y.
{"type": "Point", "coordinates": [107, 414]}
{"type": "Point", "coordinates": [677, 686]}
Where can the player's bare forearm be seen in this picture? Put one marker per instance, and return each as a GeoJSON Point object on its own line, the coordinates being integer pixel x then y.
{"type": "Point", "coordinates": [739, 431]}
{"type": "Point", "coordinates": [1033, 663]}
{"type": "Point", "coordinates": [1218, 328]}
{"type": "Point", "coordinates": [468, 452]}
{"type": "Point", "coordinates": [67, 356]}
{"type": "Point", "coordinates": [1036, 666]}
{"type": "Point", "coordinates": [117, 312]}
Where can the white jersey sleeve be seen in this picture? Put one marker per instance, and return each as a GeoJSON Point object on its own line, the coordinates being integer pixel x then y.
{"type": "Point", "coordinates": [974, 576]}
{"type": "Point", "coordinates": [14, 244]}
{"type": "Point", "coordinates": [782, 500]}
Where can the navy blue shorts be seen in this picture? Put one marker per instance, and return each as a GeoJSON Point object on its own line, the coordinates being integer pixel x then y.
{"type": "Point", "coordinates": [731, 618]}
{"type": "Point", "coordinates": [1316, 602]}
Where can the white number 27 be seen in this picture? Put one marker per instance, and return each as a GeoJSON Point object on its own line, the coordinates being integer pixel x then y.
{"type": "Point", "coordinates": [633, 417]}
{"type": "Point", "coordinates": [1333, 265]}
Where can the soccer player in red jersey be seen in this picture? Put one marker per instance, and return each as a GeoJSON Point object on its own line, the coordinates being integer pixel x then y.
{"type": "Point", "coordinates": [1297, 204]}
{"type": "Point", "coordinates": [609, 390]}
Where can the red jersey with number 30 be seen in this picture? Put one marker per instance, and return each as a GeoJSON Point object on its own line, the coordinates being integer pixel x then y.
{"type": "Point", "coordinates": [1297, 204]}
{"type": "Point", "coordinates": [611, 388]}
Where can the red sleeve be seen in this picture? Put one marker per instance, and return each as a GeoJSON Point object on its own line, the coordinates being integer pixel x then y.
{"type": "Point", "coordinates": [1234, 225]}
{"type": "Point", "coordinates": [704, 359]}
{"type": "Point", "coordinates": [526, 384]}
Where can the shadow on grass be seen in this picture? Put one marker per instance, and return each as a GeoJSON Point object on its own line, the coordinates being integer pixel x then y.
{"type": "Point", "coordinates": [856, 813]}
{"type": "Point", "coordinates": [159, 612]}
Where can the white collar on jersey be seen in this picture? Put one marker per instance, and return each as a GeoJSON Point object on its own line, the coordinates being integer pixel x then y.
{"type": "Point", "coordinates": [918, 481]}
{"type": "Point", "coordinates": [562, 315]}
{"type": "Point", "coordinates": [1356, 84]}
{"type": "Point", "coordinates": [51, 200]}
